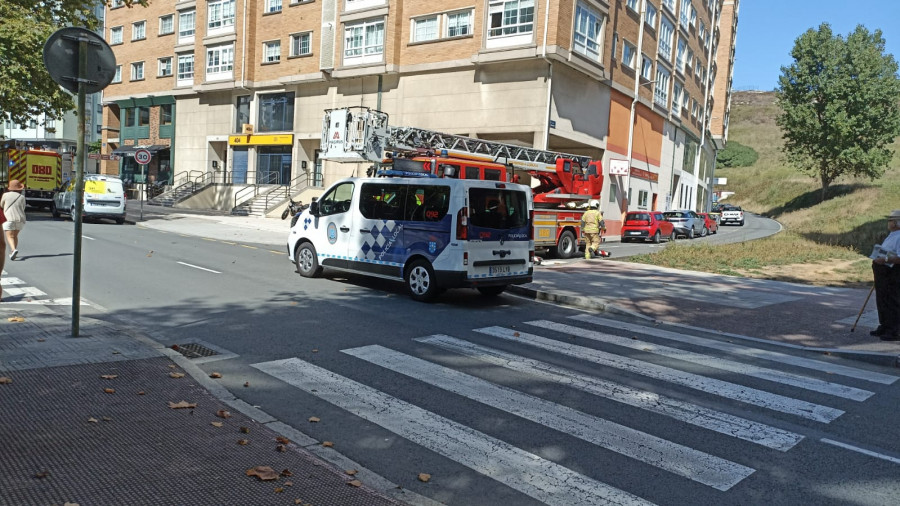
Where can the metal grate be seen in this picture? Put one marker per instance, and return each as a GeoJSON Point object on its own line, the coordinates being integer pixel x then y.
{"type": "Point", "coordinates": [194, 350]}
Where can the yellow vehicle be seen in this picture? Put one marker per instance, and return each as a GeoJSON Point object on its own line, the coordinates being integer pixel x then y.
{"type": "Point", "coordinates": [39, 171]}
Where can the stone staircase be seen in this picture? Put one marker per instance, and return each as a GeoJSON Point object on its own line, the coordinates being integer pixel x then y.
{"type": "Point", "coordinates": [171, 197]}
{"type": "Point", "coordinates": [260, 204]}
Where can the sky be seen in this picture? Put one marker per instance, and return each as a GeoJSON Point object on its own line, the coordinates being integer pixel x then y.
{"type": "Point", "coordinates": [767, 30]}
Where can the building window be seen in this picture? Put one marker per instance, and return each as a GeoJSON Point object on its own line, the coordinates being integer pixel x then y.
{"type": "Point", "coordinates": [185, 69]}
{"type": "Point", "coordinates": [272, 51]}
{"type": "Point", "coordinates": [698, 67]}
{"type": "Point", "coordinates": [632, 4]}
{"type": "Point", "coordinates": [186, 28]}
{"type": "Point", "coordinates": [276, 112]}
{"type": "Point", "coordinates": [364, 42]}
{"type": "Point", "coordinates": [685, 9]}
{"type": "Point", "coordinates": [628, 55]}
{"type": "Point", "coordinates": [221, 14]}
{"type": "Point", "coordinates": [661, 89]}
{"type": "Point", "coordinates": [685, 100]}
{"type": "Point", "coordinates": [613, 192]}
{"type": "Point", "coordinates": [139, 30]}
{"type": "Point", "coordinates": [588, 31]}
{"type": "Point", "coordinates": [117, 78]}
{"type": "Point", "coordinates": [425, 29]}
{"type": "Point", "coordinates": [459, 23]}
{"type": "Point", "coordinates": [690, 58]}
{"type": "Point", "coordinates": [642, 199]}
{"type": "Point", "coordinates": [669, 4]}
{"type": "Point", "coordinates": [511, 17]}
{"type": "Point", "coordinates": [219, 62]}
{"type": "Point", "coordinates": [650, 15]}
{"type": "Point", "coordinates": [676, 99]}
{"type": "Point", "coordinates": [167, 24]}
{"type": "Point", "coordinates": [165, 114]}
{"type": "Point", "coordinates": [143, 116]}
{"type": "Point", "coordinates": [117, 3]}
{"type": "Point", "coordinates": [693, 16]}
{"type": "Point", "coordinates": [137, 71]}
{"type": "Point", "coordinates": [679, 56]}
{"type": "Point", "coordinates": [666, 36]}
{"type": "Point", "coordinates": [241, 112]}
{"type": "Point", "coordinates": [646, 67]}
{"type": "Point", "coordinates": [165, 66]}
{"type": "Point", "coordinates": [694, 108]}
{"type": "Point", "coordinates": [273, 6]}
{"type": "Point", "coordinates": [115, 35]}
{"type": "Point", "coordinates": [301, 44]}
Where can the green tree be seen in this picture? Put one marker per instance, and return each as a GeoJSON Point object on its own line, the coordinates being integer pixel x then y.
{"type": "Point", "coordinates": [26, 89]}
{"type": "Point", "coordinates": [736, 154]}
{"type": "Point", "coordinates": [840, 105]}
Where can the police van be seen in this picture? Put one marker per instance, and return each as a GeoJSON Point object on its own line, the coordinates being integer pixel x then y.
{"type": "Point", "coordinates": [430, 233]}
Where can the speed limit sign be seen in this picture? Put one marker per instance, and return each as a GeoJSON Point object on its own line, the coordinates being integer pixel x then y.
{"type": "Point", "coordinates": [142, 156]}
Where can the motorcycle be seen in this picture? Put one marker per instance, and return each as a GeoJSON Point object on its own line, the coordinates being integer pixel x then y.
{"type": "Point", "coordinates": [293, 209]}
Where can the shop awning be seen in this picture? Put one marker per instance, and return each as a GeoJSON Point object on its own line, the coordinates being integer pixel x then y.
{"type": "Point", "coordinates": [129, 150]}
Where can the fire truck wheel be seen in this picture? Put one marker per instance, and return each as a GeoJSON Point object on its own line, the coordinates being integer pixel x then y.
{"type": "Point", "coordinates": [420, 281]}
{"type": "Point", "coordinates": [307, 261]}
{"type": "Point", "coordinates": [491, 291]}
{"type": "Point", "coordinates": [567, 246]}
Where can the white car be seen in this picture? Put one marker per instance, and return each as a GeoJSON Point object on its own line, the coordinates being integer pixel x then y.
{"type": "Point", "coordinates": [104, 197]}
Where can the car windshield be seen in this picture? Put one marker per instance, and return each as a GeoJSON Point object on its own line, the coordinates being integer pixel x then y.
{"type": "Point", "coordinates": [676, 214]}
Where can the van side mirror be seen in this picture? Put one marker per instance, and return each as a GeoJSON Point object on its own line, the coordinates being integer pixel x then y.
{"type": "Point", "coordinates": [314, 208]}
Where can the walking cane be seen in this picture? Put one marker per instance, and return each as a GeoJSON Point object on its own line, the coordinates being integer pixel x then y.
{"type": "Point", "coordinates": [862, 309]}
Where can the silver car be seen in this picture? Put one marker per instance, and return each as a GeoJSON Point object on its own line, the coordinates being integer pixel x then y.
{"type": "Point", "coordinates": [687, 223]}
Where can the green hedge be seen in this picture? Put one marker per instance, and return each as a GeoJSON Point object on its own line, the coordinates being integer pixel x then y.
{"type": "Point", "coordinates": [736, 154]}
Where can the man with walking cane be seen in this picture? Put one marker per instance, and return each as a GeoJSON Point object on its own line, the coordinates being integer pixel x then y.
{"type": "Point", "coordinates": [887, 281]}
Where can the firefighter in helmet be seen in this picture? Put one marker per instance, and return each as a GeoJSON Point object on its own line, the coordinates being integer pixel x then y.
{"type": "Point", "coordinates": [592, 225]}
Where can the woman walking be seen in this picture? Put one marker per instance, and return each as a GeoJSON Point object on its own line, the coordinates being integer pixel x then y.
{"type": "Point", "coordinates": [13, 204]}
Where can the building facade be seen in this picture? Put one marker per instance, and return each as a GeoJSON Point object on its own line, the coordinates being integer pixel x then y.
{"type": "Point", "coordinates": [236, 89]}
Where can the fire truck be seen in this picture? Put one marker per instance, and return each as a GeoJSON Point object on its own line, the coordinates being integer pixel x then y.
{"type": "Point", "coordinates": [40, 172]}
{"type": "Point", "coordinates": [562, 183]}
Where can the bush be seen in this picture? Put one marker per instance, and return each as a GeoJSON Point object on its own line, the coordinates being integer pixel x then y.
{"type": "Point", "coordinates": [736, 154]}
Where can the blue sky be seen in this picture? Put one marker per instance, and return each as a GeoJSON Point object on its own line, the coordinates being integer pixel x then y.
{"type": "Point", "coordinates": [767, 30]}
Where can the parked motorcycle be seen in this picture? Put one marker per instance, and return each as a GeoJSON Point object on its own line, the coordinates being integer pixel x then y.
{"type": "Point", "coordinates": [293, 209]}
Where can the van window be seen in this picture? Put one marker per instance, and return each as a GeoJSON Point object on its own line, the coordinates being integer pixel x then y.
{"type": "Point", "coordinates": [382, 201]}
{"type": "Point", "coordinates": [493, 175]}
{"type": "Point", "coordinates": [427, 203]}
{"type": "Point", "coordinates": [114, 187]}
{"type": "Point", "coordinates": [337, 200]}
{"type": "Point", "coordinates": [449, 170]}
{"type": "Point", "coordinates": [497, 208]}
{"type": "Point", "coordinates": [473, 172]}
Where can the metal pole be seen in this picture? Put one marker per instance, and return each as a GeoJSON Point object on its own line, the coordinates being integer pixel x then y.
{"type": "Point", "coordinates": [638, 65]}
{"type": "Point", "coordinates": [143, 187]}
{"type": "Point", "coordinates": [79, 187]}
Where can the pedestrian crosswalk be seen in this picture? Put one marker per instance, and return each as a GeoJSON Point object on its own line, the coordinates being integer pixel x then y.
{"type": "Point", "coordinates": [16, 291]}
{"type": "Point", "coordinates": [556, 353]}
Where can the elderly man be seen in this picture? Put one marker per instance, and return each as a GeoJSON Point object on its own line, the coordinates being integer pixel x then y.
{"type": "Point", "coordinates": [887, 282]}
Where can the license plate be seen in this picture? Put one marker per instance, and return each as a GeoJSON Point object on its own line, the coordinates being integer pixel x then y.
{"type": "Point", "coordinates": [634, 233]}
{"type": "Point", "coordinates": [498, 269]}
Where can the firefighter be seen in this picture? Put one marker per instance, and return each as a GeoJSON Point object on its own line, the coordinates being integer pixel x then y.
{"type": "Point", "coordinates": [592, 225]}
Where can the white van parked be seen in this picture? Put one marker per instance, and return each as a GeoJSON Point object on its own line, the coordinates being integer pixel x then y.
{"type": "Point", "coordinates": [104, 197]}
{"type": "Point", "coordinates": [430, 233]}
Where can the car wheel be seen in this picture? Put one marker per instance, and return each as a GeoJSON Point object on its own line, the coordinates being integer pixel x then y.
{"type": "Point", "coordinates": [307, 261]}
{"type": "Point", "coordinates": [656, 237]}
{"type": "Point", "coordinates": [491, 291]}
{"type": "Point", "coordinates": [53, 210]}
{"type": "Point", "coordinates": [672, 236]}
{"type": "Point", "coordinates": [420, 281]}
{"type": "Point", "coordinates": [741, 223]}
{"type": "Point", "coordinates": [690, 234]}
{"type": "Point", "coordinates": [120, 221]}
{"type": "Point", "coordinates": [567, 246]}
{"type": "Point", "coordinates": [704, 232]}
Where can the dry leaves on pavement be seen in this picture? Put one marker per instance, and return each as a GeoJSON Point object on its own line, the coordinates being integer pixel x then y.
{"type": "Point", "coordinates": [351, 472]}
{"type": "Point", "coordinates": [216, 424]}
{"type": "Point", "coordinates": [424, 477]}
{"type": "Point", "coordinates": [314, 419]}
{"type": "Point", "coordinates": [176, 375]}
{"type": "Point", "coordinates": [109, 390]}
{"type": "Point", "coordinates": [16, 319]}
{"type": "Point", "coordinates": [182, 405]}
{"type": "Point", "coordinates": [5, 380]}
{"type": "Point", "coordinates": [223, 414]}
{"type": "Point", "coordinates": [355, 483]}
{"type": "Point", "coordinates": [283, 440]}
{"type": "Point", "coordinates": [327, 444]}
{"type": "Point", "coordinates": [109, 376]}
{"type": "Point", "coordinates": [215, 375]}
{"type": "Point", "coordinates": [264, 473]}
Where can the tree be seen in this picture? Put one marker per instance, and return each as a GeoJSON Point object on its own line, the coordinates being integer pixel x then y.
{"type": "Point", "coordinates": [736, 154]}
{"type": "Point", "coordinates": [26, 89]}
{"type": "Point", "coordinates": [840, 105]}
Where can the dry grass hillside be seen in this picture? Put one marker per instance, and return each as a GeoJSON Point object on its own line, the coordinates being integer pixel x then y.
{"type": "Point", "coordinates": [822, 242]}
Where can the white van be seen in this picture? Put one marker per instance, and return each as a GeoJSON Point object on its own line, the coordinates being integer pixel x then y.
{"type": "Point", "coordinates": [104, 197]}
{"type": "Point", "coordinates": [430, 233]}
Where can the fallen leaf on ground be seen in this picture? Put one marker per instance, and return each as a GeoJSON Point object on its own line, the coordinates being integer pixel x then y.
{"type": "Point", "coordinates": [117, 353]}
{"type": "Point", "coordinates": [247, 384]}
{"type": "Point", "coordinates": [141, 392]}
{"type": "Point", "coordinates": [216, 424]}
{"type": "Point", "coordinates": [351, 472]}
{"type": "Point", "coordinates": [109, 390]}
{"type": "Point", "coordinates": [264, 473]}
{"type": "Point", "coordinates": [286, 472]}
{"type": "Point", "coordinates": [281, 448]}
{"type": "Point", "coordinates": [355, 483]}
{"type": "Point", "coordinates": [109, 376]}
{"type": "Point", "coordinates": [515, 334]}
{"type": "Point", "coordinates": [245, 430]}
{"type": "Point", "coordinates": [176, 375]}
{"type": "Point", "coordinates": [106, 419]}
{"type": "Point", "coordinates": [279, 490]}
{"type": "Point", "coordinates": [315, 350]}
{"type": "Point", "coordinates": [314, 419]}
{"type": "Point", "coordinates": [424, 477]}
{"type": "Point", "coordinates": [71, 504]}
{"type": "Point", "coordinates": [42, 474]}
{"type": "Point", "coordinates": [223, 414]}
{"type": "Point", "coordinates": [150, 254]}
{"type": "Point", "coordinates": [172, 366]}
{"type": "Point", "coordinates": [288, 484]}
{"type": "Point", "coordinates": [243, 442]}
{"type": "Point", "coordinates": [41, 340]}
{"type": "Point", "coordinates": [5, 381]}
{"type": "Point", "coordinates": [327, 444]}
{"type": "Point", "coordinates": [182, 405]}
{"type": "Point", "coordinates": [92, 420]}
{"type": "Point", "coordinates": [215, 375]}
{"type": "Point", "coordinates": [298, 501]}
{"type": "Point", "coordinates": [16, 319]}
{"type": "Point", "coordinates": [283, 440]}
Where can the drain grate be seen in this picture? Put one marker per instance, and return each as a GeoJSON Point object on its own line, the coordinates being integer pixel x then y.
{"type": "Point", "coordinates": [194, 350]}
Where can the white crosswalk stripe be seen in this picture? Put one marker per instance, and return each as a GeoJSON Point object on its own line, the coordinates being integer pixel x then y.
{"type": "Point", "coordinates": [15, 293]}
{"type": "Point", "coordinates": [782, 377]}
{"type": "Point", "coordinates": [525, 472]}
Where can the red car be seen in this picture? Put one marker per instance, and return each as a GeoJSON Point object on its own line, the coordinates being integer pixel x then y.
{"type": "Point", "coordinates": [711, 226]}
{"type": "Point", "coordinates": [644, 225]}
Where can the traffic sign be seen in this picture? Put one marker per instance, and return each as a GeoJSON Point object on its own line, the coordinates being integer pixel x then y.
{"type": "Point", "coordinates": [142, 156]}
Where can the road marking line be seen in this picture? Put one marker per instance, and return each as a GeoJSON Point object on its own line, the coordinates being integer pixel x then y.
{"type": "Point", "coordinates": [26, 291]}
{"type": "Point", "coordinates": [198, 267]}
{"type": "Point", "coordinates": [785, 378]}
{"type": "Point", "coordinates": [860, 450]}
{"type": "Point", "coordinates": [523, 471]}
{"type": "Point", "coordinates": [10, 281]}
{"type": "Point", "coordinates": [717, 421]}
{"type": "Point", "coordinates": [683, 461]}
{"type": "Point", "coordinates": [807, 363]}
{"type": "Point", "coordinates": [711, 386]}
{"type": "Point", "coordinates": [87, 237]}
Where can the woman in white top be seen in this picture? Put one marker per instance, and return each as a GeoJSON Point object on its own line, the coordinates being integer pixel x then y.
{"type": "Point", "coordinates": [13, 204]}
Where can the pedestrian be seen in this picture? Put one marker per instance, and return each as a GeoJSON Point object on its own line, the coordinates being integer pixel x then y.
{"type": "Point", "coordinates": [592, 225]}
{"type": "Point", "coordinates": [887, 281]}
{"type": "Point", "coordinates": [13, 204]}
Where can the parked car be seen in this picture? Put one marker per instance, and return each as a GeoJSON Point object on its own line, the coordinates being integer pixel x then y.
{"type": "Point", "coordinates": [686, 222]}
{"type": "Point", "coordinates": [712, 226]}
{"type": "Point", "coordinates": [644, 225]}
{"type": "Point", "coordinates": [103, 197]}
{"type": "Point", "coordinates": [732, 214]}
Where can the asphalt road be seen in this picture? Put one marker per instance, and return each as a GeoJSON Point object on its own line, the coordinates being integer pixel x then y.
{"type": "Point", "coordinates": [501, 401]}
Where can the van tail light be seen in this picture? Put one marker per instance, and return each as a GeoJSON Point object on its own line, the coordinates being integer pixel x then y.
{"type": "Point", "coordinates": [465, 258]}
{"type": "Point", "coordinates": [462, 224]}
{"type": "Point", "coordinates": [531, 256]}
{"type": "Point", "coordinates": [531, 227]}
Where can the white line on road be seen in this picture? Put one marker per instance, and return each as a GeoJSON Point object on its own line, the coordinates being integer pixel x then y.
{"type": "Point", "coordinates": [860, 450]}
{"type": "Point", "coordinates": [678, 459]}
{"type": "Point", "coordinates": [785, 378]}
{"type": "Point", "coordinates": [711, 386]}
{"type": "Point", "coordinates": [717, 421]}
{"type": "Point", "coordinates": [201, 268]}
{"type": "Point", "coordinates": [526, 472]}
{"type": "Point", "coordinates": [807, 363]}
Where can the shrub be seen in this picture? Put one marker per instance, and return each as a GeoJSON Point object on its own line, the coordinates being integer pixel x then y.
{"type": "Point", "coordinates": [736, 154]}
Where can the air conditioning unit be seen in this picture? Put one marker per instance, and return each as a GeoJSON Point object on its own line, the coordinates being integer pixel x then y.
{"type": "Point", "coordinates": [247, 129]}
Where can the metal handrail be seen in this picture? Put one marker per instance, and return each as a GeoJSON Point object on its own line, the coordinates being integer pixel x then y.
{"type": "Point", "coordinates": [254, 188]}
{"type": "Point", "coordinates": [268, 176]}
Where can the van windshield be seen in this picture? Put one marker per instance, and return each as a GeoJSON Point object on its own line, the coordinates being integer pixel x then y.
{"type": "Point", "coordinates": [497, 208]}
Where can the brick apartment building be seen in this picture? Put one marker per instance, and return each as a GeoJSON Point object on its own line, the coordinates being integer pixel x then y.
{"type": "Point", "coordinates": [236, 89]}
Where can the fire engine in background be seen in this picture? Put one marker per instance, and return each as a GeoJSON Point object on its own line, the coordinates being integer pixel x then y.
{"type": "Point", "coordinates": [39, 171]}
{"type": "Point", "coordinates": [562, 183]}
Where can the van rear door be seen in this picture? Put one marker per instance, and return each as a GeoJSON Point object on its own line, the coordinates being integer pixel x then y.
{"type": "Point", "coordinates": [499, 232]}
